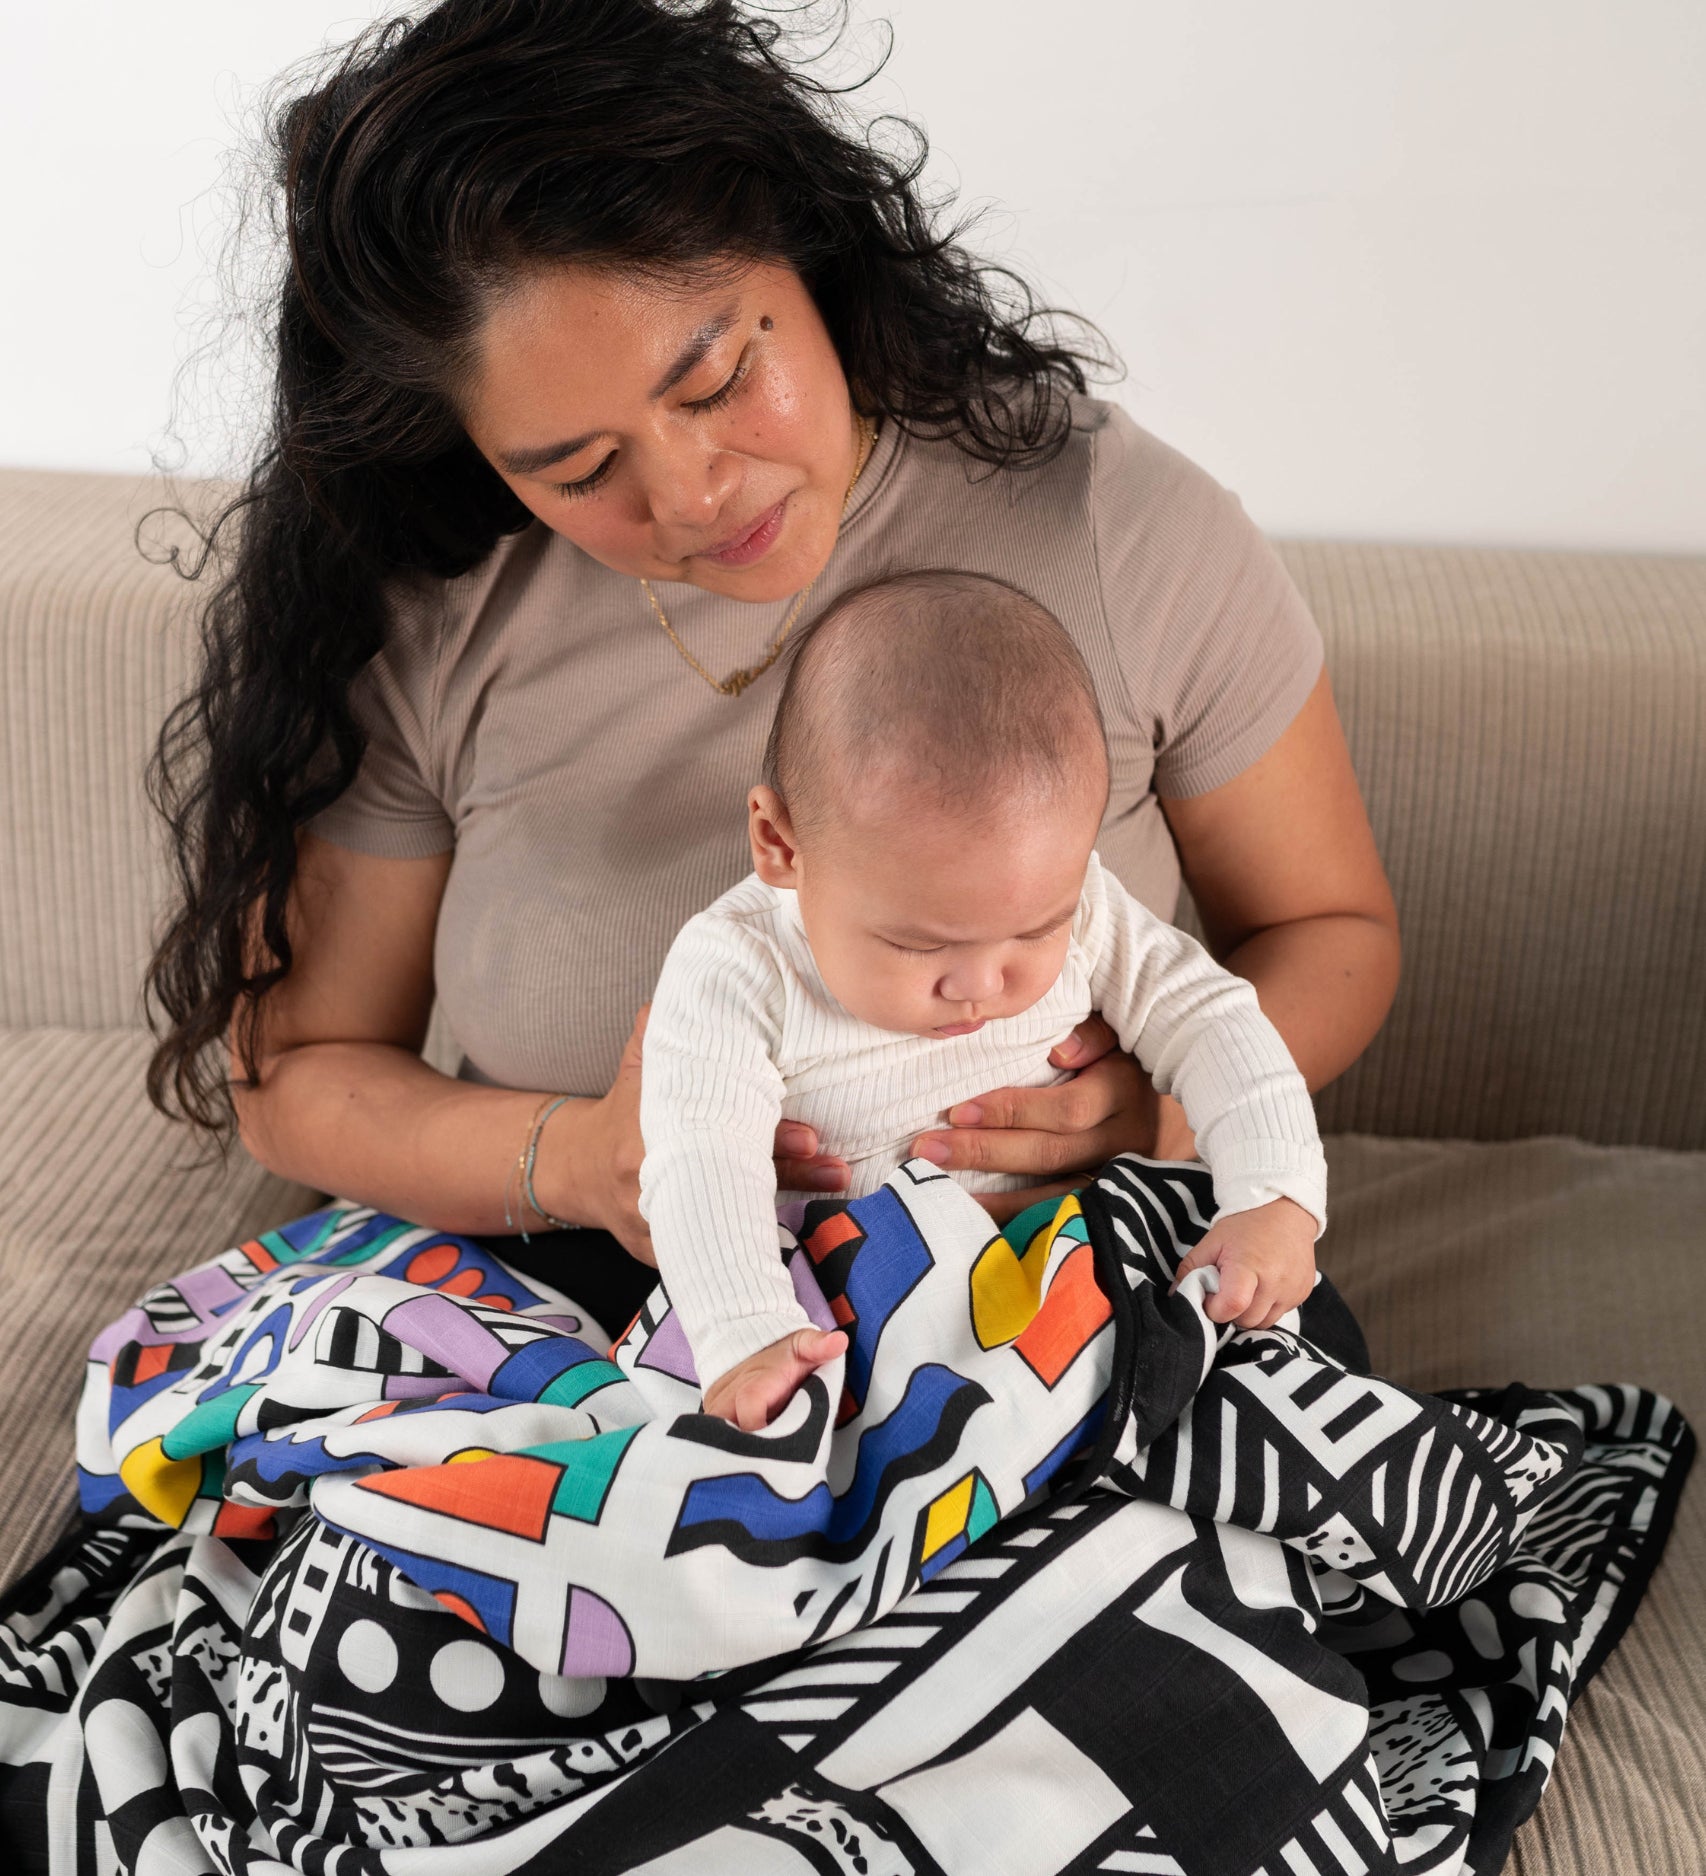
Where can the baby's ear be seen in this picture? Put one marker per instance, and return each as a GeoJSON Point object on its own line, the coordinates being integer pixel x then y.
{"type": "Point", "coordinates": [775, 857]}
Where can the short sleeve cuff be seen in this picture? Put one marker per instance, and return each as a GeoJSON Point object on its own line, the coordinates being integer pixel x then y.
{"type": "Point", "coordinates": [1214, 757]}
{"type": "Point", "coordinates": [383, 836]}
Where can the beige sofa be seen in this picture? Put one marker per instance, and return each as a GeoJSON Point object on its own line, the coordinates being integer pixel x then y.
{"type": "Point", "coordinates": [1519, 1163]}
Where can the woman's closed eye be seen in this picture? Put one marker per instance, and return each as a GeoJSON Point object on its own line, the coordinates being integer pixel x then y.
{"type": "Point", "coordinates": [723, 392]}
{"type": "Point", "coordinates": [584, 485]}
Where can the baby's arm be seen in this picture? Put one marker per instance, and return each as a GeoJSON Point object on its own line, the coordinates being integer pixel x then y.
{"type": "Point", "coordinates": [1201, 1034]}
{"type": "Point", "coordinates": [710, 1098]}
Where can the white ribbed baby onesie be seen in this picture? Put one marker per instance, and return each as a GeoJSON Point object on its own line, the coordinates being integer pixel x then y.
{"type": "Point", "coordinates": [743, 1033]}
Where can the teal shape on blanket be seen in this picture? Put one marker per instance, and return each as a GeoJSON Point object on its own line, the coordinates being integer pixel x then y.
{"type": "Point", "coordinates": [588, 1468]}
{"type": "Point", "coordinates": [984, 1511]}
{"type": "Point", "coordinates": [212, 1476]}
{"type": "Point", "coordinates": [587, 1377]}
{"type": "Point", "coordinates": [211, 1425]}
{"type": "Point", "coordinates": [1023, 1226]}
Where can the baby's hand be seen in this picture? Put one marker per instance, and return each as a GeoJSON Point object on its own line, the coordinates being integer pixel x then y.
{"type": "Point", "coordinates": [1266, 1260]}
{"type": "Point", "coordinates": [755, 1391]}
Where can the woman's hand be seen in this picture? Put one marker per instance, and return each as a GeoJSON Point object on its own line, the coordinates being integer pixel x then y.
{"type": "Point", "coordinates": [1109, 1106]}
{"type": "Point", "coordinates": [588, 1166]}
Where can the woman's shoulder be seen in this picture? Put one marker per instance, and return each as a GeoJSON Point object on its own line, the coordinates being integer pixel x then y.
{"type": "Point", "coordinates": [1109, 477]}
{"type": "Point", "coordinates": [431, 617]}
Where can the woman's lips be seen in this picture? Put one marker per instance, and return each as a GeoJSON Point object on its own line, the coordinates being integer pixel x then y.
{"type": "Point", "coordinates": [753, 542]}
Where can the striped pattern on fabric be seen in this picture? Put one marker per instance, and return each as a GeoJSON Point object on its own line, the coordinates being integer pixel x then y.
{"type": "Point", "coordinates": [99, 1198]}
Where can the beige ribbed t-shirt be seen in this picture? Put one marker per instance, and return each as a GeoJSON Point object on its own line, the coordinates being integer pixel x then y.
{"type": "Point", "coordinates": [533, 716]}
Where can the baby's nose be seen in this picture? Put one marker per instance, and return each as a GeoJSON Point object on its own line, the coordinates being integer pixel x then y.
{"type": "Point", "coordinates": [972, 980]}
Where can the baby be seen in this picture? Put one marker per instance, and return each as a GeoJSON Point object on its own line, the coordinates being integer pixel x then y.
{"type": "Point", "coordinates": [926, 920]}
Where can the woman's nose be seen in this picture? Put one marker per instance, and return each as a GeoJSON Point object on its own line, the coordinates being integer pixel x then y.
{"type": "Point", "coordinates": [689, 489]}
{"type": "Point", "coordinates": [971, 980]}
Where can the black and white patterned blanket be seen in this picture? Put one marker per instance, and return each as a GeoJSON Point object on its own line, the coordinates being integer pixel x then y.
{"type": "Point", "coordinates": [393, 1567]}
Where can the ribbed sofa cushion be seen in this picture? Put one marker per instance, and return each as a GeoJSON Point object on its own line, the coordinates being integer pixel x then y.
{"type": "Point", "coordinates": [1530, 733]}
{"type": "Point", "coordinates": [99, 1199]}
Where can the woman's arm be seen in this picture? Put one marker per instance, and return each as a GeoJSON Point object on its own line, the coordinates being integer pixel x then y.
{"type": "Point", "coordinates": [1283, 867]}
{"type": "Point", "coordinates": [344, 1103]}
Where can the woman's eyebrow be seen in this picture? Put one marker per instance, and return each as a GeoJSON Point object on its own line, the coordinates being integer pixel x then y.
{"type": "Point", "coordinates": [526, 462]}
{"type": "Point", "coordinates": [695, 349]}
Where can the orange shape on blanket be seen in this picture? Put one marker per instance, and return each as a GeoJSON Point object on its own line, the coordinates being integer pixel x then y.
{"type": "Point", "coordinates": [1073, 1310]}
{"type": "Point", "coordinates": [437, 1260]}
{"type": "Point", "coordinates": [829, 1236]}
{"type": "Point", "coordinates": [505, 1493]}
{"type": "Point", "coordinates": [244, 1521]}
{"type": "Point", "coordinates": [151, 1361]}
{"type": "Point", "coordinates": [459, 1605]}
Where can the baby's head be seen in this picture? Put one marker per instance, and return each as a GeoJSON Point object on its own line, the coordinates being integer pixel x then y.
{"type": "Point", "coordinates": [935, 779]}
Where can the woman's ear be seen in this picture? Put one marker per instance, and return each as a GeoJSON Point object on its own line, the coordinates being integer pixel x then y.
{"type": "Point", "coordinates": [775, 856]}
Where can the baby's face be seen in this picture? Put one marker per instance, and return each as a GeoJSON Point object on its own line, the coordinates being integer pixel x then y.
{"type": "Point", "coordinates": [935, 926]}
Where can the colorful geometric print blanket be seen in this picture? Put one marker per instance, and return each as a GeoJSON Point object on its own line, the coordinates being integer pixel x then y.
{"type": "Point", "coordinates": [395, 1566]}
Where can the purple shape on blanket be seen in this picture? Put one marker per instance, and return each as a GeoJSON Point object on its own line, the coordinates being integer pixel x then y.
{"type": "Point", "coordinates": [202, 1290]}
{"type": "Point", "coordinates": [810, 1297]}
{"type": "Point", "coordinates": [421, 1386]}
{"type": "Point", "coordinates": [305, 1321]}
{"type": "Point", "coordinates": [209, 1289]}
{"type": "Point", "coordinates": [668, 1353]}
{"type": "Point", "coordinates": [595, 1638]}
{"type": "Point", "coordinates": [451, 1336]}
{"type": "Point", "coordinates": [133, 1326]}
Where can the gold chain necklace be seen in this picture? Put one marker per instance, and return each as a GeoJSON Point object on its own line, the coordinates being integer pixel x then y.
{"type": "Point", "coordinates": [737, 681]}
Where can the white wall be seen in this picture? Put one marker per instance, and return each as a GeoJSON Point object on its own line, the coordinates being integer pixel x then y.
{"type": "Point", "coordinates": [1420, 271]}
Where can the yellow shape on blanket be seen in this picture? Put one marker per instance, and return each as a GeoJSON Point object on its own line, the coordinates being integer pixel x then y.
{"type": "Point", "coordinates": [164, 1487]}
{"type": "Point", "coordinates": [1007, 1287]}
{"type": "Point", "coordinates": [469, 1454]}
{"type": "Point", "coordinates": [947, 1515]}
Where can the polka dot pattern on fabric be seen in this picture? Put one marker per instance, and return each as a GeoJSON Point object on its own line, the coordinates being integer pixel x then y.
{"type": "Point", "coordinates": [368, 1656]}
{"type": "Point", "coordinates": [571, 1697]}
{"type": "Point", "coordinates": [466, 1675]}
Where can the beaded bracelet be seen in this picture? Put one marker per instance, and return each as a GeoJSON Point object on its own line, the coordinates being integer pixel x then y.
{"type": "Point", "coordinates": [521, 1174]}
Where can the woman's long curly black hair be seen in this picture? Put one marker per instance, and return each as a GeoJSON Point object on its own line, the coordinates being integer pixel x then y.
{"type": "Point", "coordinates": [440, 156]}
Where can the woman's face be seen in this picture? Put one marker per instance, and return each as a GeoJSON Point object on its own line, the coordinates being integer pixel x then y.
{"type": "Point", "coordinates": [702, 433]}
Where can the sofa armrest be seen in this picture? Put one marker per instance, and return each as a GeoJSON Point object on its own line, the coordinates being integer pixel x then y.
{"type": "Point", "coordinates": [95, 644]}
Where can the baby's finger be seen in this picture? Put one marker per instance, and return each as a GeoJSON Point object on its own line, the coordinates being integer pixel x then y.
{"type": "Point", "coordinates": [1204, 1252]}
{"type": "Point", "coordinates": [1231, 1302]}
{"type": "Point", "coordinates": [752, 1405]}
{"type": "Point", "coordinates": [816, 1347]}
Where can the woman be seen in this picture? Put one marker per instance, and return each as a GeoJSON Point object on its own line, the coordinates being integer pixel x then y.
{"type": "Point", "coordinates": [607, 351]}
